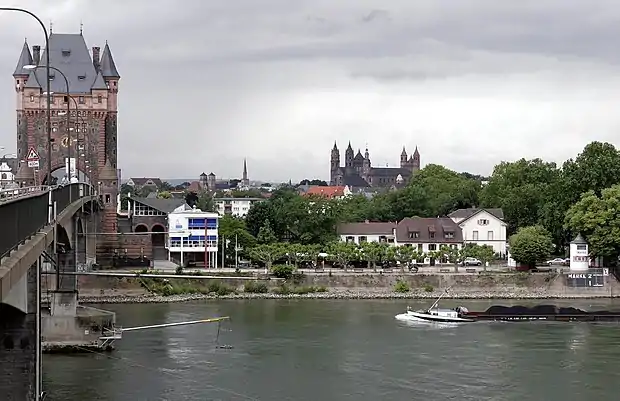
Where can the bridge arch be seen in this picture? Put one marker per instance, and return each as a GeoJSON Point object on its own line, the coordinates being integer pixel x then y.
{"type": "Point", "coordinates": [158, 242]}
{"type": "Point", "coordinates": [58, 172]}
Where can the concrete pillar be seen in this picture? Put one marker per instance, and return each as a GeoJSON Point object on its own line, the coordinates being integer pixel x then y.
{"type": "Point", "coordinates": [19, 347]}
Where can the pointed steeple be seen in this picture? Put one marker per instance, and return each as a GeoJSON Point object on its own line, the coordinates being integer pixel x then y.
{"type": "Point", "coordinates": [335, 146]}
{"type": "Point", "coordinates": [404, 152]}
{"type": "Point", "coordinates": [350, 147]}
{"type": "Point", "coordinates": [108, 67]}
{"type": "Point", "coordinates": [415, 152]}
{"type": "Point", "coordinates": [99, 82]}
{"type": "Point", "coordinates": [245, 170]}
{"type": "Point", "coordinates": [25, 58]}
{"type": "Point", "coordinates": [108, 173]}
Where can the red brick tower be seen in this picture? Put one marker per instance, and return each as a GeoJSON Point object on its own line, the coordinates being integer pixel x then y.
{"type": "Point", "coordinates": [92, 127]}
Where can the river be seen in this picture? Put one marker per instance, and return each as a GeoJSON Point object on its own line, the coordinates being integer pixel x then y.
{"type": "Point", "coordinates": [311, 350]}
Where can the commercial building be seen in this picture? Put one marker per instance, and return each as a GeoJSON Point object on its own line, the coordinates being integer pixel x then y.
{"type": "Point", "coordinates": [193, 237]}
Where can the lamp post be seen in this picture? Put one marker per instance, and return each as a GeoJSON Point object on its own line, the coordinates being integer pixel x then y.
{"type": "Point", "coordinates": [38, 381]}
{"type": "Point", "coordinates": [49, 94]}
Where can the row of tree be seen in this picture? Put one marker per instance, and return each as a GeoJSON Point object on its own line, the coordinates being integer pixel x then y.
{"type": "Point", "coordinates": [371, 254]}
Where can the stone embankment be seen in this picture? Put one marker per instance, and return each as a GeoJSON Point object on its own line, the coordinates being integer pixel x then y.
{"type": "Point", "coordinates": [354, 286]}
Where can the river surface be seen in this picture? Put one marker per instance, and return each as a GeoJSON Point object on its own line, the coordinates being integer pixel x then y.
{"type": "Point", "coordinates": [324, 350]}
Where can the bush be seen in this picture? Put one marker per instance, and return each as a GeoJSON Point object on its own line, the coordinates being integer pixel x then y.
{"type": "Point", "coordinates": [428, 288]}
{"type": "Point", "coordinates": [401, 286]}
{"type": "Point", "coordinates": [283, 271]}
{"type": "Point", "coordinates": [179, 270]}
{"type": "Point", "coordinates": [282, 290]}
{"type": "Point", "coordinates": [255, 287]}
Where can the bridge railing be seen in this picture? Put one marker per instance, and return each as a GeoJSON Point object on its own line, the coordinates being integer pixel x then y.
{"type": "Point", "coordinates": [24, 216]}
{"type": "Point", "coordinates": [9, 194]}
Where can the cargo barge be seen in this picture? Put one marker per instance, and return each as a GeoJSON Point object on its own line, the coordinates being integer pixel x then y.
{"type": "Point", "coordinates": [539, 312]}
{"type": "Point", "coordinates": [516, 313]}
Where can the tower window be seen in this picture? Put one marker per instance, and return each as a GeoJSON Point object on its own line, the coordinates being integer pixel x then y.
{"type": "Point", "coordinates": [32, 98]}
{"type": "Point", "coordinates": [81, 99]}
{"type": "Point", "coordinates": [99, 99]}
{"type": "Point", "coordinates": [107, 198]}
{"type": "Point", "coordinates": [66, 99]}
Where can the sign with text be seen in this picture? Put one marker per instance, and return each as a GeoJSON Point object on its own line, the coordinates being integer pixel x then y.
{"type": "Point", "coordinates": [591, 278]}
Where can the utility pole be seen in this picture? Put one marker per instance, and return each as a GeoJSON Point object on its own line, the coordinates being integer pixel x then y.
{"type": "Point", "coordinates": [236, 253]}
{"type": "Point", "coordinates": [223, 249]}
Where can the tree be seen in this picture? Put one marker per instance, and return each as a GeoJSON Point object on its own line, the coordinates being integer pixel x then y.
{"type": "Point", "coordinates": [485, 254]}
{"type": "Point", "coordinates": [191, 198]}
{"type": "Point", "coordinates": [531, 245]}
{"type": "Point", "coordinates": [164, 195]}
{"type": "Point", "coordinates": [267, 253]}
{"type": "Point", "coordinates": [233, 228]}
{"type": "Point", "coordinates": [205, 202]}
{"type": "Point", "coordinates": [519, 189]}
{"type": "Point", "coordinates": [597, 218]}
{"type": "Point", "coordinates": [165, 186]}
{"type": "Point", "coordinates": [341, 253]}
{"type": "Point", "coordinates": [403, 254]}
{"type": "Point", "coordinates": [373, 252]}
{"type": "Point", "coordinates": [452, 255]}
{"type": "Point", "coordinates": [266, 234]}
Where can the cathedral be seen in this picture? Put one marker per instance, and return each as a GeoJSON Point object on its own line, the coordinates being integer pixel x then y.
{"type": "Point", "coordinates": [358, 172]}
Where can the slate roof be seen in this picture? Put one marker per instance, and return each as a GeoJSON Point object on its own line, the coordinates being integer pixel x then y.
{"type": "Point", "coordinates": [25, 58]}
{"type": "Point", "coordinates": [425, 226]}
{"type": "Point", "coordinates": [389, 171]}
{"type": "Point", "coordinates": [367, 228]}
{"type": "Point", "coordinates": [163, 205]}
{"type": "Point", "coordinates": [467, 213]}
{"type": "Point", "coordinates": [107, 65]}
{"type": "Point", "coordinates": [354, 180]}
{"type": "Point", "coordinates": [69, 53]}
{"type": "Point", "coordinates": [143, 180]}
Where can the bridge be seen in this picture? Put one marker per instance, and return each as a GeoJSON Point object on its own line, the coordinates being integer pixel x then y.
{"type": "Point", "coordinates": [41, 226]}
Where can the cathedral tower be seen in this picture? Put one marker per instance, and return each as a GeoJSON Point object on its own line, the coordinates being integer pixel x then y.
{"type": "Point", "coordinates": [334, 164]}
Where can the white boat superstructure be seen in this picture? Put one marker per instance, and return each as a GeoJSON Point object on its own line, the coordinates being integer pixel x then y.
{"type": "Point", "coordinates": [436, 314]}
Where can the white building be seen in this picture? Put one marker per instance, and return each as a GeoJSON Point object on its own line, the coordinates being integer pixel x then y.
{"type": "Point", "coordinates": [193, 237]}
{"type": "Point", "coordinates": [482, 227]}
{"type": "Point", "coordinates": [237, 207]}
{"type": "Point", "coordinates": [6, 175]}
{"type": "Point", "coordinates": [367, 231]}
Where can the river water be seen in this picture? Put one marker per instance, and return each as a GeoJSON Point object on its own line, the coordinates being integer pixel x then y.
{"type": "Point", "coordinates": [324, 350]}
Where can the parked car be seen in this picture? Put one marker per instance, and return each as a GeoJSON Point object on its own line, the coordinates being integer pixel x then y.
{"type": "Point", "coordinates": [472, 262]}
{"type": "Point", "coordinates": [556, 261]}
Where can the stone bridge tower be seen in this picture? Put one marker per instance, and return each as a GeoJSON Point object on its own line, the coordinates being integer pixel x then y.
{"type": "Point", "coordinates": [89, 135]}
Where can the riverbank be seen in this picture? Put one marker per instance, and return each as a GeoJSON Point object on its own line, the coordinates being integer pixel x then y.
{"type": "Point", "coordinates": [380, 293]}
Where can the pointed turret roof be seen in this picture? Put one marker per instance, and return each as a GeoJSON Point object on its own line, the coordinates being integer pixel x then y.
{"type": "Point", "coordinates": [108, 67]}
{"type": "Point", "coordinates": [335, 146]}
{"type": "Point", "coordinates": [415, 152]}
{"type": "Point", "coordinates": [349, 147]}
{"type": "Point", "coordinates": [203, 174]}
{"type": "Point", "coordinates": [579, 240]}
{"type": "Point", "coordinates": [25, 58]}
{"type": "Point", "coordinates": [108, 172]}
{"type": "Point", "coordinates": [99, 82]}
{"type": "Point", "coordinates": [211, 174]}
{"type": "Point", "coordinates": [404, 152]}
{"type": "Point", "coordinates": [32, 82]}
{"type": "Point", "coordinates": [245, 168]}
{"type": "Point", "coordinates": [24, 173]}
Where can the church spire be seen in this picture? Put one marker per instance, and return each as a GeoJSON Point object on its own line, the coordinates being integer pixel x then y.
{"type": "Point", "coordinates": [245, 180]}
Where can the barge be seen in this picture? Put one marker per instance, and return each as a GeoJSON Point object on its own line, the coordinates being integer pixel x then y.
{"type": "Point", "coordinates": [540, 313]}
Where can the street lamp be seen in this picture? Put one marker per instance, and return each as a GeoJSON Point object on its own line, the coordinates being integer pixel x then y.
{"type": "Point", "coordinates": [49, 94]}
{"type": "Point", "coordinates": [39, 382]}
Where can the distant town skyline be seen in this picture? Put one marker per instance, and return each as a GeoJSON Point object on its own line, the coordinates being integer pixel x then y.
{"type": "Point", "coordinates": [277, 82]}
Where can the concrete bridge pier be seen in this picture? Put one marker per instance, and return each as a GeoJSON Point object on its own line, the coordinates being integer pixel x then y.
{"type": "Point", "coordinates": [20, 379]}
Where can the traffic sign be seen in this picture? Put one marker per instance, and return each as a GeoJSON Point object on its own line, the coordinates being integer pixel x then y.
{"type": "Point", "coordinates": [32, 155]}
{"type": "Point", "coordinates": [33, 163]}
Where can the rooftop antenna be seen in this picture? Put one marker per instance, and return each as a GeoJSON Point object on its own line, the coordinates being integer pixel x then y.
{"type": "Point", "coordinates": [81, 27]}
{"type": "Point", "coordinates": [51, 26]}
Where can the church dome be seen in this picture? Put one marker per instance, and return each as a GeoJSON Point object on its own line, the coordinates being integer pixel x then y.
{"type": "Point", "coordinates": [108, 172]}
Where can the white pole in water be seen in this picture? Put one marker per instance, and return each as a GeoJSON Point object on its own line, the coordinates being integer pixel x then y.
{"type": "Point", "coordinates": [157, 326]}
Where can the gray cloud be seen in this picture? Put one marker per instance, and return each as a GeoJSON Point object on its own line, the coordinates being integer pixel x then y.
{"type": "Point", "coordinates": [205, 84]}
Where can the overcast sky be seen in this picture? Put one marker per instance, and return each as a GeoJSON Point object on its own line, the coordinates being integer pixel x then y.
{"type": "Point", "coordinates": [470, 82]}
